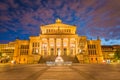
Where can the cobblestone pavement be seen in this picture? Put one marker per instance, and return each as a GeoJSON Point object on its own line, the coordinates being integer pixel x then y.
{"type": "Point", "coordinates": [74, 72]}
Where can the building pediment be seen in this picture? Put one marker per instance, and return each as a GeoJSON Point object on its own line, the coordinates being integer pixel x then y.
{"type": "Point", "coordinates": [58, 23]}
{"type": "Point", "coordinates": [58, 28]}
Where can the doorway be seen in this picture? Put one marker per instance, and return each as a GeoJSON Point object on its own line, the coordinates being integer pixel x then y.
{"type": "Point", "coordinates": [65, 51]}
{"type": "Point", "coordinates": [52, 51]}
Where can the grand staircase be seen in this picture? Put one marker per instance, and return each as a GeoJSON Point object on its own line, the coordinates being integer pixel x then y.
{"type": "Point", "coordinates": [73, 59]}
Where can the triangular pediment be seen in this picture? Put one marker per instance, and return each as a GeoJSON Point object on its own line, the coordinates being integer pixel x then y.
{"type": "Point", "coordinates": [58, 23]}
{"type": "Point", "coordinates": [58, 28]}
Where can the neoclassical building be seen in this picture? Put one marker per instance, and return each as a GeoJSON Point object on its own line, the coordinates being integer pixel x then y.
{"type": "Point", "coordinates": [109, 51]}
{"type": "Point", "coordinates": [6, 52]}
{"type": "Point", "coordinates": [58, 37]}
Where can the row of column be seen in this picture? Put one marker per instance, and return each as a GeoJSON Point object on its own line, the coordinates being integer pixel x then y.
{"type": "Point", "coordinates": [61, 47]}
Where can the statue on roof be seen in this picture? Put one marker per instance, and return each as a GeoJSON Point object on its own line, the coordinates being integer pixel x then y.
{"type": "Point", "coordinates": [58, 21]}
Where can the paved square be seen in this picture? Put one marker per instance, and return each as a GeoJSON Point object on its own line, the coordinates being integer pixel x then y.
{"type": "Point", "coordinates": [74, 72]}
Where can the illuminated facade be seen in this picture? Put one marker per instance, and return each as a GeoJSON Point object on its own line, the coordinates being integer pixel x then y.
{"type": "Point", "coordinates": [54, 37]}
{"type": "Point", "coordinates": [6, 51]}
{"type": "Point", "coordinates": [108, 52]}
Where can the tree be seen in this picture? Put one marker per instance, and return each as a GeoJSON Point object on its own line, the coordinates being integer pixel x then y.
{"type": "Point", "coordinates": [117, 54]}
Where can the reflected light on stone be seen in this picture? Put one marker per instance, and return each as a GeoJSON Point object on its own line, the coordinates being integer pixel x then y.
{"type": "Point", "coordinates": [51, 45]}
{"type": "Point", "coordinates": [65, 44]}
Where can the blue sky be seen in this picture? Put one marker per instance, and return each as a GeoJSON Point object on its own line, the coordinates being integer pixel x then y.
{"type": "Point", "coordinates": [23, 18]}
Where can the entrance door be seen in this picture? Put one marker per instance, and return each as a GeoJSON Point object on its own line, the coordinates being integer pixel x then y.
{"type": "Point", "coordinates": [52, 51]}
{"type": "Point", "coordinates": [65, 51]}
{"type": "Point", "coordinates": [71, 51]}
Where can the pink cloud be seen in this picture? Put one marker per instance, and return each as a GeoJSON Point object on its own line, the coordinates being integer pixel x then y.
{"type": "Point", "coordinates": [13, 4]}
{"type": "Point", "coordinates": [2, 30]}
{"type": "Point", "coordinates": [43, 13]}
{"type": "Point", "coordinates": [3, 6]}
{"type": "Point", "coordinates": [4, 17]}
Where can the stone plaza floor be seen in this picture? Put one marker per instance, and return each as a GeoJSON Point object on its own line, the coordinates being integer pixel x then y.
{"type": "Point", "coordinates": [73, 72]}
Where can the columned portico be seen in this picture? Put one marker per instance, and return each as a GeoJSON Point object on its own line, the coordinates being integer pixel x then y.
{"type": "Point", "coordinates": [50, 46]}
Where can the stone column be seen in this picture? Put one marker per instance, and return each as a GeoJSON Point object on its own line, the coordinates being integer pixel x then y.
{"type": "Point", "coordinates": [40, 48]}
{"type": "Point", "coordinates": [30, 48]}
{"type": "Point", "coordinates": [48, 47]}
{"type": "Point", "coordinates": [76, 50]}
{"type": "Point", "coordinates": [55, 47]}
{"type": "Point", "coordinates": [68, 50]}
{"type": "Point", "coordinates": [61, 46]}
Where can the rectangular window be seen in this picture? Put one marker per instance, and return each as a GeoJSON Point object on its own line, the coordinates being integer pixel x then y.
{"type": "Point", "coordinates": [88, 46]}
{"type": "Point", "coordinates": [95, 52]}
{"type": "Point", "coordinates": [89, 52]}
{"type": "Point", "coordinates": [91, 58]}
{"type": "Point", "coordinates": [33, 45]}
{"type": "Point", "coordinates": [96, 59]}
{"type": "Point", "coordinates": [38, 44]}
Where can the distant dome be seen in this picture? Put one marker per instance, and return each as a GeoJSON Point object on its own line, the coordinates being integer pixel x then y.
{"type": "Point", "coordinates": [58, 21]}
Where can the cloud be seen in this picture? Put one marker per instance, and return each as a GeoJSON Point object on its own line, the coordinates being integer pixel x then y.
{"type": "Point", "coordinates": [3, 6]}
{"type": "Point", "coordinates": [2, 30]}
{"type": "Point", "coordinates": [4, 18]}
{"type": "Point", "coordinates": [92, 17]}
{"type": "Point", "coordinates": [110, 41]}
{"type": "Point", "coordinates": [12, 3]}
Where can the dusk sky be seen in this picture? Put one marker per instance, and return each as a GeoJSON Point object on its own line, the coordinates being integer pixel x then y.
{"type": "Point", "coordinates": [23, 18]}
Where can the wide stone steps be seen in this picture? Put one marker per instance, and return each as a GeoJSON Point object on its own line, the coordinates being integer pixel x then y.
{"type": "Point", "coordinates": [52, 58]}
